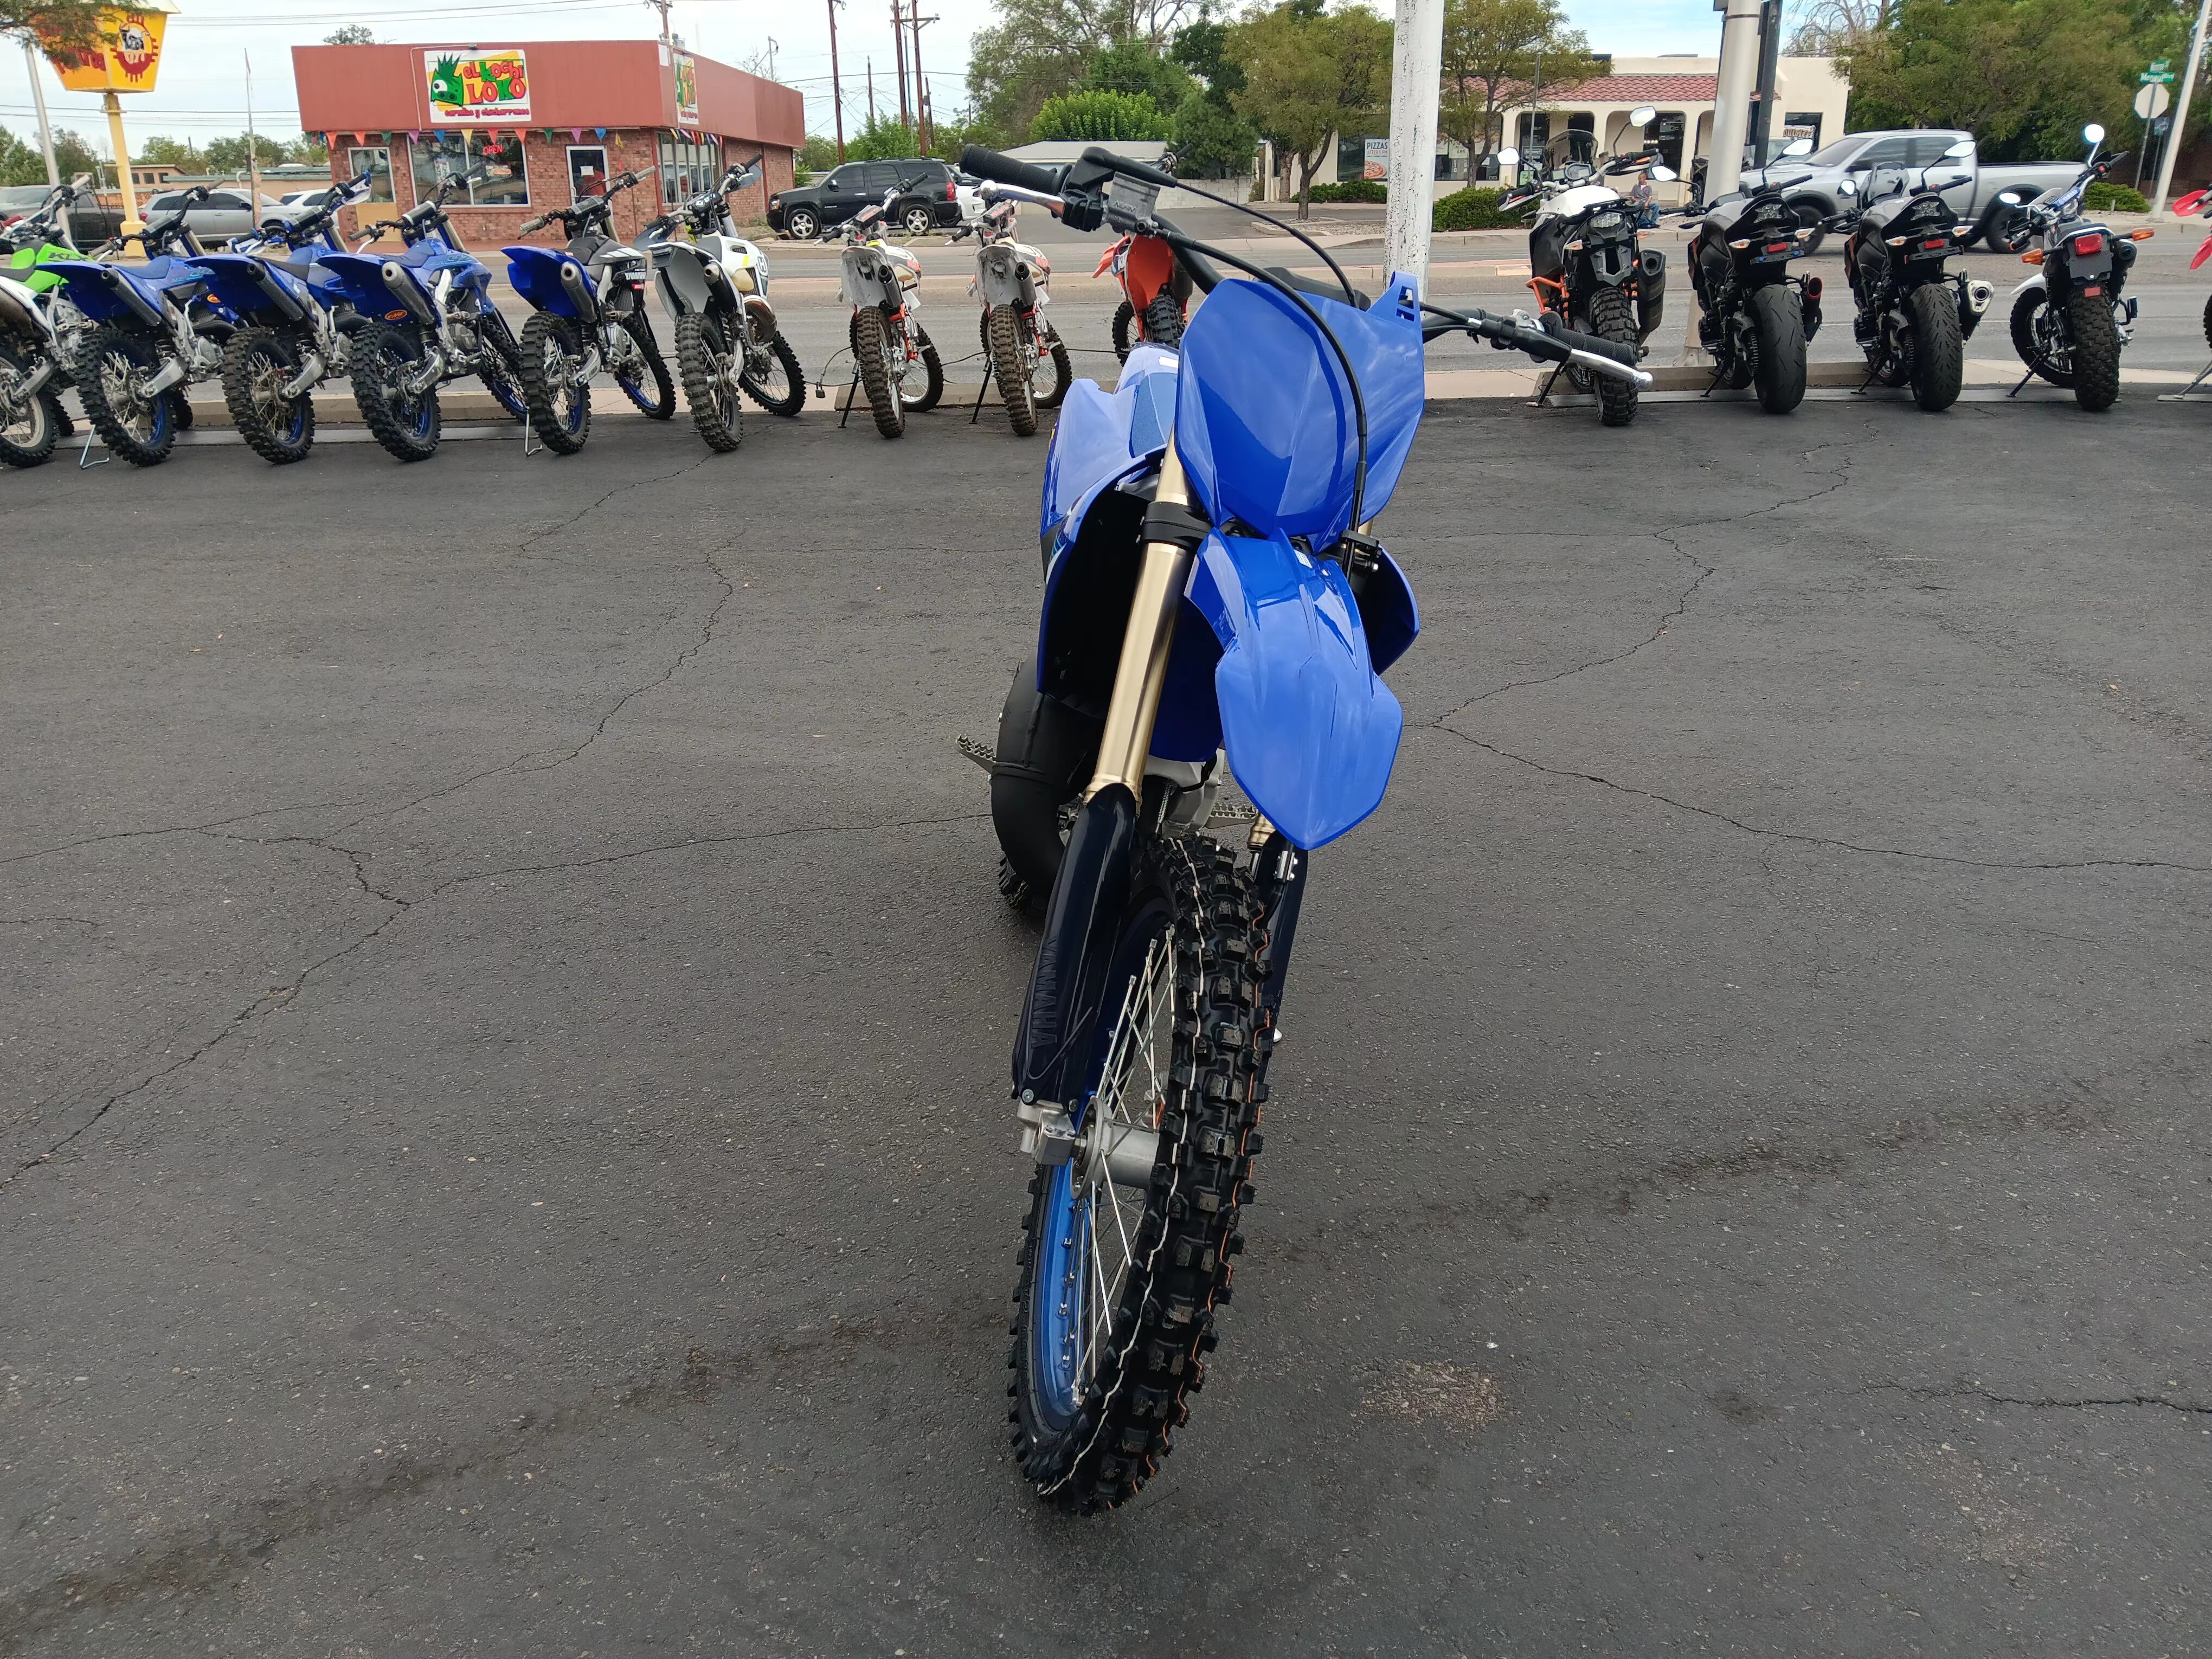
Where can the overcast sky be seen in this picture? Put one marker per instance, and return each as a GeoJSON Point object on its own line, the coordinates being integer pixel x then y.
{"type": "Point", "coordinates": [201, 93]}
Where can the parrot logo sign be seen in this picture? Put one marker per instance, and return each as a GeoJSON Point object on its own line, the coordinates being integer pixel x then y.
{"type": "Point", "coordinates": [476, 88]}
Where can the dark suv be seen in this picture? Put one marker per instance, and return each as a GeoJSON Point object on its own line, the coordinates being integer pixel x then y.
{"type": "Point", "coordinates": [926, 199]}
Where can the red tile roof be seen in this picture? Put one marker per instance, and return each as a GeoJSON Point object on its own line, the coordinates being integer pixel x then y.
{"type": "Point", "coordinates": [1666, 90]}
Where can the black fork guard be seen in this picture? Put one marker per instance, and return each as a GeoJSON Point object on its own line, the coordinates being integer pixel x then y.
{"type": "Point", "coordinates": [1067, 985]}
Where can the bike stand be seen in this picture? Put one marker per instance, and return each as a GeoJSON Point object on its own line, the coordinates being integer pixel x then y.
{"type": "Point", "coordinates": [851, 392]}
{"type": "Point", "coordinates": [528, 433]}
{"type": "Point", "coordinates": [1543, 395]}
{"type": "Point", "coordinates": [976, 413]}
{"type": "Point", "coordinates": [2024, 380]}
{"type": "Point", "coordinates": [2176, 397]}
{"type": "Point", "coordinates": [84, 456]}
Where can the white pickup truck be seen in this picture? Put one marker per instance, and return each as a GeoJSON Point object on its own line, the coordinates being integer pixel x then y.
{"type": "Point", "coordinates": [1832, 180]}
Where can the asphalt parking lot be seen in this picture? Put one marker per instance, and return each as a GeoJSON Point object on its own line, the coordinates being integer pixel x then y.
{"type": "Point", "coordinates": [504, 1095]}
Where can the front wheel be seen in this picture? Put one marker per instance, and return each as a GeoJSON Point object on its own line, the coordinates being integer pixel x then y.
{"type": "Point", "coordinates": [1127, 1256]}
{"type": "Point", "coordinates": [257, 365]}
{"type": "Point", "coordinates": [501, 365]}
{"type": "Point", "coordinates": [112, 368]}
{"type": "Point", "coordinates": [1613, 318]}
{"type": "Point", "coordinates": [872, 348]}
{"type": "Point", "coordinates": [1051, 347]}
{"type": "Point", "coordinates": [558, 395]}
{"type": "Point", "coordinates": [1778, 326]}
{"type": "Point", "coordinates": [710, 385]}
{"type": "Point", "coordinates": [387, 362]}
{"type": "Point", "coordinates": [2096, 353]}
{"type": "Point", "coordinates": [1938, 349]}
{"type": "Point", "coordinates": [923, 382]}
{"type": "Point", "coordinates": [646, 382]}
{"type": "Point", "coordinates": [1164, 322]}
{"type": "Point", "coordinates": [2038, 337]}
{"type": "Point", "coordinates": [776, 383]}
{"type": "Point", "coordinates": [29, 426]}
{"type": "Point", "coordinates": [1125, 323]}
{"type": "Point", "coordinates": [1011, 362]}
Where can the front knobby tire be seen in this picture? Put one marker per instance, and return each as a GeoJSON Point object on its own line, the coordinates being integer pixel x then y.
{"type": "Point", "coordinates": [408, 425]}
{"type": "Point", "coordinates": [1164, 322]}
{"type": "Point", "coordinates": [2035, 339]}
{"type": "Point", "coordinates": [1120, 1281]}
{"type": "Point", "coordinates": [871, 342]}
{"type": "Point", "coordinates": [654, 391]}
{"type": "Point", "coordinates": [1011, 361]}
{"type": "Point", "coordinates": [111, 363]}
{"type": "Point", "coordinates": [501, 371]}
{"type": "Point", "coordinates": [1063, 370]}
{"type": "Point", "coordinates": [559, 399]}
{"type": "Point", "coordinates": [780, 389]}
{"type": "Point", "coordinates": [932, 373]}
{"type": "Point", "coordinates": [1611, 317]}
{"type": "Point", "coordinates": [256, 364]}
{"type": "Point", "coordinates": [1777, 324]}
{"type": "Point", "coordinates": [710, 387]}
{"type": "Point", "coordinates": [2096, 354]}
{"type": "Point", "coordinates": [1939, 349]}
{"type": "Point", "coordinates": [1125, 324]}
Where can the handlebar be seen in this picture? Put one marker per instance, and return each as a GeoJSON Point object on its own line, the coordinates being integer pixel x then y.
{"type": "Point", "coordinates": [1554, 342]}
{"type": "Point", "coordinates": [531, 226]}
{"type": "Point", "coordinates": [1005, 170]}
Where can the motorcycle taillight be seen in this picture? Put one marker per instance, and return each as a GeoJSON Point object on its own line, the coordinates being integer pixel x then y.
{"type": "Point", "coordinates": [2089, 242]}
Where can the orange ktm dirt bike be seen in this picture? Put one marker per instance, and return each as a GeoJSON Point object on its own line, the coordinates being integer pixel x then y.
{"type": "Point", "coordinates": [1154, 293]}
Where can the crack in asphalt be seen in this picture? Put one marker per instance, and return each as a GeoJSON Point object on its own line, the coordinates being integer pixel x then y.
{"type": "Point", "coordinates": [44, 922]}
{"type": "Point", "coordinates": [1827, 841]}
{"type": "Point", "coordinates": [2042, 1401]}
{"type": "Point", "coordinates": [177, 828]}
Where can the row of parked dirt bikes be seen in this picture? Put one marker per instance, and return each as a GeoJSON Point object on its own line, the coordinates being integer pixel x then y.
{"type": "Point", "coordinates": [1912, 315]}
{"type": "Point", "coordinates": [275, 316]}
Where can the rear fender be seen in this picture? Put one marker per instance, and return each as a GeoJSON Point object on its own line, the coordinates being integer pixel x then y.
{"type": "Point", "coordinates": [2034, 284]}
{"type": "Point", "coordinates": [1310, 730]}
{"type": "Point", "coordinates": [539, 273]}
{"type": "Point", "coordinates": [105, 293]}
{"type": "Point", "coordinates": [998, 273]}
{"type": "Point", "coordinates": [360, 278]}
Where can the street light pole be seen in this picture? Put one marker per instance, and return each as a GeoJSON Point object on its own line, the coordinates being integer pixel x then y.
{"type": "Point", "coordinates": [836, 88]}
{"type": "Point", "coordinates": [38, 103]}
{"type": "Point", "coordinates": [1417, 61]}
{"type": "Point", "coordinates": [2181, 110]}
{"type": "Point", "coordinates": [1739, 69]}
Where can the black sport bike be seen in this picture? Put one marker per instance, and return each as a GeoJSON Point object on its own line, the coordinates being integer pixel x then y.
{"type": "Point", "coordinates": [1757, 316]}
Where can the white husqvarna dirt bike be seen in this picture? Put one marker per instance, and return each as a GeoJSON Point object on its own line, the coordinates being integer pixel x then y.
{"type": "Point", "coordinates": [1013, 280]}
{"type": "Point", "coordinates": [892, 356]}
{"type": "Point", "coordinates": [713, 285]}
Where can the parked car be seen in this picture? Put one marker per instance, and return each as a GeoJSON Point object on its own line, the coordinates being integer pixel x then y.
{"type": "Point", "coordinates": [930, 198]}
{"type": "Point", "coordinates": [225, 214]}
{"type": "Point", "coordinates": [1834, 180]}
{"type": "Point", "coordinates": [89, 224]}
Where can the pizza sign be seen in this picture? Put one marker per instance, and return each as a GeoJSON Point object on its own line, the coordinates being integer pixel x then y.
{"type": "Point", "coordinates": [477, 89]}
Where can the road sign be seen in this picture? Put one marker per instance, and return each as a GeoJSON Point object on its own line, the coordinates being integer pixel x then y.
{"type": "Point", "coordinates": [2153, 101]}
{"type": "Point", "coordinates": [2151, 77]}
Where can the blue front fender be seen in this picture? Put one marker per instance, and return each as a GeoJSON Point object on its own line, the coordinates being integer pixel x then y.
{"type": "Point", "coordinates": [1310, 729]}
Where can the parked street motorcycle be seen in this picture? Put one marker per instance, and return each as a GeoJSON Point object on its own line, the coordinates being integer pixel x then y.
{"type": "Point", "coordinates": [589, 298]}
{"type": "Point", "coordinates": [1587, 263]}
{"type": "Point", "coordinates": [1913, 317]}
{"type": "Point", "coordinates": [2197, 204]}
{"type": "Point", "coordinates": [296, 325]}
{"type": "Point", "coordinates": [1757, 317]}
{"type": "Point", "coordinates": [156, 329]}
{"type": "Point", "coordinates": [714, 286]}
{"type": "Point", "coordinates": [1014, 281]}
{"type": "Point", "coordinates": [1214, 601]}
{"type": "Point", "coordinates": [2069, 321]}
{"type": "Point", "coordinates": [427, 318]}
{"type": "Point", "coordinates": [890, 347]}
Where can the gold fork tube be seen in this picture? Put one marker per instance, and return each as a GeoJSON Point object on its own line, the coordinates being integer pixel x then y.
{"type": "Point", "coordinates": [1126, 741]}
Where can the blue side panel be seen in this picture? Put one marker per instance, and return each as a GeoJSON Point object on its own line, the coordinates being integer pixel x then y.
{"type": "Point", "coordinates": [1387, 612]}
{"type": "Point", "coordinates": [360, 276]}
{"type": "Point", "coordinates": [1188, 727]}
{"type": "Point", "coordinates": [235, 279]}
{"type": "Point", "coordinates": [1100, 433]}
{"type": "Point", "coordinates": [1264, 420]}
{"type": "Point", "coordinates": [535, 274]}
{"type": "Point", "coordinates": [91, 288]}
{"type": "Point", "coordinates": [1310, 730]}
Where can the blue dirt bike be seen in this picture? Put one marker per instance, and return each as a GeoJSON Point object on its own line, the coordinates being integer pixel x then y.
{"type": "Point", "coordinates": [157, 328]}
{"type": "Point", "coordinates": [429, 319]}
{"type": "Point", "coordinates": [1212, 595]}
{"type": "Point", "coordinates": [590, 302]}
{"type": "Point", "coordinates": [296, 325]}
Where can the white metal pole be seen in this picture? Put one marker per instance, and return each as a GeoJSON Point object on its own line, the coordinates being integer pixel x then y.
{"type": "Point", "coordinates": [38, 103]}
{"type": "Point", "coordinates": [1416, 70]}
{"type": "Point", "coordinates": [1738, 73]}
{"type": "Point", "coordinates": [2181, 110]}
{"type": "Point", "coordinates": [252, 145]}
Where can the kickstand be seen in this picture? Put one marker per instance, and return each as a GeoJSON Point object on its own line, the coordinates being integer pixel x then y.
{"type": "Point", "coordinates": [851, 392]}
{"type": "Point", "coordinates": [84, 456]}
{"type": "Point", "coordinates": [2176, 397]}
{"type": "Point", "coordinates": [2024, 380]}
{"type": "Point", "coordinates": [1864, 383]}
{"type": "Point", "coordinates": [976, 413]}
{"type": "Point", "coordinates": [1545, 391]}
{"type": "Point", "coordinates": [529, 431]}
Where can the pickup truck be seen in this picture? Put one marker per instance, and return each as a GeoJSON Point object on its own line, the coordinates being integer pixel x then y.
{"type": "Point", "coordinates": [1832, 180]}
{"type": "Point", "coordinates": [89, 223]}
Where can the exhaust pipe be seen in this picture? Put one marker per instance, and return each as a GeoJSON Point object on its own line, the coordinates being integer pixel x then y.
{"type": "Point", "coordinates": [279, 298]}
{"type": "Point", "coordinates": [1979, 294]}
{"type": "Point", "coordinates": [404, 288]}
{"type": "Point", "coordinates": [578, 290]}
{"type": "Point", "coordinates": [1651, 292]}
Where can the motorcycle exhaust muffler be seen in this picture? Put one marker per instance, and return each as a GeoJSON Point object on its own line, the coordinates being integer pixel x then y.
{"type": "Point", "coordinates": [404, 289]}
{"type": "Point", "coordinates": [1651, 292]}
{"type": "Point", "coordinates": [1979, 294]}
{"type": "Point", "coordinates": [578, 290]}
{"type": "Point", "coordinates": [1811, 305]}
{"type": "Point", "coordinates": [279, 298]}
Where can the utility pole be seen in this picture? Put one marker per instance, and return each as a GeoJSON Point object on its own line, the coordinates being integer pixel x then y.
{"type": "Point", "coordinates": [836, 88]}
{"type": "Point", "coordinates": [1739, 70]}
{"type": "Point", "coordinates": [1415, 73]}
{"type": "Point", "coordinates": [899, 46]}
{"type": "Point", "coordinates": [662, 6]}
{"type": "Point", "coordinates": [38, 103]}
{"type": "Point", "coordinates": [920, 86]}
{"type": "Point", "coordinates": [2174, 134]}
{"type": "Point", "coordinates": [1769, 54]}
{"type": "Point", "coordinates": [872, 92]}
{"type": "Point", "coordinates": [253, 147]}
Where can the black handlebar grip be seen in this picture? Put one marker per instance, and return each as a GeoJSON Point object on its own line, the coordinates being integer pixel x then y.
{"type": "Point", "coordinates": [1590, 342]}
{"type": "Point", "coordinates": [1005, 170]}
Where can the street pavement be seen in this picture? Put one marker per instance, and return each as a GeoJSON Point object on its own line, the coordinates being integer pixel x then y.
{"type": "Point", "coordinates": [504, 1089]}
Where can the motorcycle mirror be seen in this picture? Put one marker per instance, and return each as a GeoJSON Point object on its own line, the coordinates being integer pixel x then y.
{"type": "Point", "coordinates": [1643, 116]}
{"type": "Point", "coordinates": [2093, 133]}
{"type": "Point", "coordinates": [1964, 147]}
{"type": "Point", "coordinates": [1509, 158]}
{"type": "Point", "coordinates": [1798, 146]}
{"type": "Point", "coordinates": [1663, 173]}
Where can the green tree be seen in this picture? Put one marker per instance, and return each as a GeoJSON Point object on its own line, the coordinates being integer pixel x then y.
{"type": "Point", "coordinates": [1100, 118]}
{"type": "Point", "coordinates": [1136, 68]}
{"type": "Point", "coordinates": [54, 22]}
{"type": "Point", "coordinates": [1039, 49]}
{"type": "Point", "coordinates": [308, 148]}
{"type": "Point", "coordinates": [21, 162]}
{"type": "Point", "coordinates": [1493, 50]}
{"type": "Point", "coordinates": [1309, 77]}
{"type": "Point", "coordinates": [1203, 49]}
{"type": "Point", "coordinates": [162, 151]}
{"type": "Point", "coordinates": [228, 154]}
{"type": "Point", "coordinates": [350, 34]}
{"type": "Point", "coordinates": [882, 139]}
{"type": "Point", "coordinates": [1211, 140]}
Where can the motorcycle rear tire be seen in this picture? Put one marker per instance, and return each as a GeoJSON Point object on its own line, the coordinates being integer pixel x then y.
{"type": "Point", "coordinates": [1164, 322]}
{"type": "Point", "coordinates": [501, 374]}
{"type": "Point", "coordinates": [283, 431]}
{"type": "Point", "coordinates": [655, 395]}
{"type": "Point", "coordinates": [793, 398]}
{"type": "Point", "coordinates": [1939, 351]}
{"type": "Point", "coordinates": [1125, 323]}
{"type": "Point", "coordinates": [1778, 326]}
{"type": "Point", "coordinates": [1045, 753]}
{"type": "Point", "coordinates": [106, 360]}
{"type": "Point", "coordinates": [32, 439]}
{"type": "Point", "coordinates": [560, 407]}
{"type": "Point", "coordinates": [1012, 360]}
{"type": "Point", "coordinates": [1063, 371]}
{"type": "Point", "coordinates": [870, 328]}
{"type": "Point", "coordinates": [1613, 318]}
{"type": "Point", "coordinates": [2096, 353]}
{"type": "Point", "coordinates": [703, 354]}
{"type": "Point", "coordinates": [932, 372]}
{"type": "Point", "coordinates": [2207, 321]}
{"type": "Point", "coordinates": [408, 430]}
{"type": "Point", "coordinates": [2032, 356]}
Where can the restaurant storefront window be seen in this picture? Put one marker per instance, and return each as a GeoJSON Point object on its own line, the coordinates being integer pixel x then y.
{"type": "Point", "coordinates": [689, 166]}
{"type": "Point", "coordinates": [435, 155]}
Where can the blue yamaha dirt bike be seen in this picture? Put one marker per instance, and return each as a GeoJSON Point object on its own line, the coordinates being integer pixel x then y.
{"type": "Point", "coordinates": [1213, 596]}
{"type": "Point", "coordinates": [157, 328]}
{"type": "Point", "coordinates": [431, 321]}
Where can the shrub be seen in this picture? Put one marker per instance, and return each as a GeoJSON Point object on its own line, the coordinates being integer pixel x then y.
{"type": "Point", "coordinates": [1352, 190]}
{"type": "Point", "coordinates": [2105, 196]}
{"type": "Point", "coordinates": [1100, 118]}
{"type": "Point", "coordinates": [1472, 210]}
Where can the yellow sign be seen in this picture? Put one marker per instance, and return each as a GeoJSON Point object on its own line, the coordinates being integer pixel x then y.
{"type": "Point", "coordinates": [125, 59]}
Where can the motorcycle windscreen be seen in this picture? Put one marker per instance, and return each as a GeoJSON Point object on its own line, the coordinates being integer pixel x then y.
{"type": "Point", "coordinates": [1099, 434]}
{"type": "Point", "coordinates": [1264, 419]}
{"type": "Point", "coordinates": [1310, 730]}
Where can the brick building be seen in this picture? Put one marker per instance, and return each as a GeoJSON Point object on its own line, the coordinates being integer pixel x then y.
{"type": "Point", "coordinates": [549, 122]}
